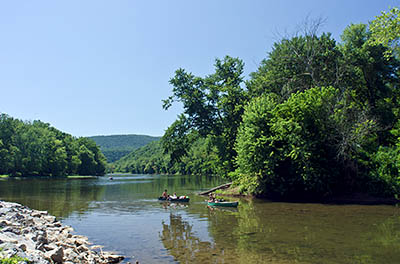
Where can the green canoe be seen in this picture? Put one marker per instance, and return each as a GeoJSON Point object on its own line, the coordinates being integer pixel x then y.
{"type": "Point", "coordinates": [224, 204]}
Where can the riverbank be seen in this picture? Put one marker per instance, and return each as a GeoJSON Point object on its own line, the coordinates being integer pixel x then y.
{"type": "Point", "coordinates": [354, 198]}
{"type": "Point", "coordinates": [38, 237]}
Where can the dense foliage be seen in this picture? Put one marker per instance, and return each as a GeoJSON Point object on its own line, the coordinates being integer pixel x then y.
{"type": "Point", "coordinates": [116, 146]}
{"type": "Point", "coordinates": [36, 148]}
{"type": "Point", "coordinates": [385, 30]}
{"type": "Point", "coordinates": [213, 107]}
{"type": "Point", "coordinates": [318, 118]}
{"type": "Point", "coordinates": [151, 159]}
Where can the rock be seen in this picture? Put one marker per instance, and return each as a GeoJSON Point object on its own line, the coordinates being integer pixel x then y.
{"type": "Point", "coordinates": [36, 213]}
{"type": "Point", "coordinates": [70, 253]}
{"type": "Point", "coordinates": [4, 223]}
{"type": "Point", "coordinates": [27, 244]}
{"type": "Point", "coordinates": [82, 248]}
{"type": "Point", "coordinates": [38, 237]}
{"type": "Point", "coordinates": [11, 229]}
{"type": "Point", "coordinates": [39, 222]}
{"type": "Point", "coordinates": [55, 255]}
{"type": "Point", "coordinates": [80, 240]}
{"type": "Point", "coordinates": [50, 247]}
{"type": "Point", "coordinates": [49, 218]}
{"type": "Point", "coordinates": [41, 239]}
{"type": "Point", "coordinates": [111, 258]}
{"type": "Point", "coordinates": [22, 247]}
{"type": "Point", "coordinates": [8, 238]}
{"type": "Point", "coordinates": [5, 211]}
{"type": "Point", "coordinates": [56, 224]}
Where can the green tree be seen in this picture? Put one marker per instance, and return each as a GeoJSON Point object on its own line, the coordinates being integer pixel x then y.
{"type": "Point", "coordinates": [287, 149]}
{"type": "Point", "coordinates": [88, 163]}
{"type": "Point", "coordinates": [385, 31]}
{"type": "Point", "coordinates": [212, 107]}
{"type": "Point", "coordinates": [297, 64]}
{"type": "Point", "coordinates": [36, 148]}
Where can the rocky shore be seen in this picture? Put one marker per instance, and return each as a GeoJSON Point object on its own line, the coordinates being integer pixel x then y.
{"type": "Point", "coordinates": [38, 237]}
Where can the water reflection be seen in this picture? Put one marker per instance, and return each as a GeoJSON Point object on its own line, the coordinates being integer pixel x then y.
{"type": "Point", "coordinates": [60, 197]}
{"type": "Point", "coordinates": [259, 232]}
{"type": "Point", "coordinates": [125, 216]}
{"type": "Point", "coordinates": [182, 243]}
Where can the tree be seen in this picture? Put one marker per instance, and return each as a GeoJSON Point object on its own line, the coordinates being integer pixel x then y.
{"type": "Point", "coordinates": [213, 107]}
{"type": "Point", "coordinates": [36, 148]}
{"type": "Point", "coordinates": [370, 81]}
{"type": "Point", "coordinates": [287, 149]}
{"type": "Point", "coordinates": [93, 161]}
{"type": "Point", "coordinates": [385, 31]}
{"type": "Point", "coordinates": [297, 64]}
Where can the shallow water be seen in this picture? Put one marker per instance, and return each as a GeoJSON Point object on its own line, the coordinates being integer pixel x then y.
{"type": "Point", "coordinates": [125, 216]}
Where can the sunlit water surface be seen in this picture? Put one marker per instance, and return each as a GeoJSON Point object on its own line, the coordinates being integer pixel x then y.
{"type": "Point", "coordinates": [125, 216]}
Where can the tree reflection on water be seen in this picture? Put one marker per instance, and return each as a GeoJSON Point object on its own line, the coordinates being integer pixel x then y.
{"type": "Point", "coordinates": [286, 233]}
{"type": "Point", "coordinates": [181, 242]}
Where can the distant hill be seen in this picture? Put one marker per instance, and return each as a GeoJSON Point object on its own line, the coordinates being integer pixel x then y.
{"type": "Point", "coordinates": [115, 147]}
{"type": "Point", "coordinates": [201, 159]}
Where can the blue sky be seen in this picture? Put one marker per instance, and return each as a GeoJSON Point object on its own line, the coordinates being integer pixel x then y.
{"type": "Point", "coordinates": [102, 67]}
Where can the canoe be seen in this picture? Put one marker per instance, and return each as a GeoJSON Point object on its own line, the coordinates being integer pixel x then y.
{"type": "Point", "coordinates": [185, 200]}
{"type": "Point", "coordinates": [224, 204]}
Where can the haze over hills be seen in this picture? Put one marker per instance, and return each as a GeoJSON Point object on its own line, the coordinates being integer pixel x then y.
{"type": "Point", "coordinates": [115, 147]}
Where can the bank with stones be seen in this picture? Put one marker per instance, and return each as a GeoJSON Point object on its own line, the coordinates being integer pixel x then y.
{"type": "Point", "coordinates": [39, 238]}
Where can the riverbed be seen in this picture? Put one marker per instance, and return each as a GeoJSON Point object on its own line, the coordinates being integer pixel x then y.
{"type": "Point", "coordinates": [125, 216]}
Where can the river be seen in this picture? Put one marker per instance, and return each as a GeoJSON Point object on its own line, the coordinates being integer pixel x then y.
{"type": "Point", "coordinates": [125, 216]}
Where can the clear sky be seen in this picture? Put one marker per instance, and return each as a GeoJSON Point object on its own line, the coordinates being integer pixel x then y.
{"type": "Point", "coordinates": [102, 67]}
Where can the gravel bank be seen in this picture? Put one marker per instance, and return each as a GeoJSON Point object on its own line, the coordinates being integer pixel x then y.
{"type": "Point", "coordinates": [40, 238]}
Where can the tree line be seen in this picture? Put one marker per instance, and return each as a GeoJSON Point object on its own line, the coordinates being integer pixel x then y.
{"type": "Point", "coordinates": [115, 147]}
{"type": "Point", "coordinates": [151, 159]}
{"type": "Point", "coordinates": [37, 149]}
{"type": "Point", "coordinates": [318, 118]}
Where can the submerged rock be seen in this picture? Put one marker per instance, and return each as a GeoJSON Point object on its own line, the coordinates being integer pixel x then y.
{"type": "Point", "coordinates": [40, 238]}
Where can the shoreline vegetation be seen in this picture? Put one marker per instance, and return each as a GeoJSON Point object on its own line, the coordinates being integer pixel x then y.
{"type": "Point", "coordinates": [319, 118]}
{"type": "Point", "coordinates": [34, 148]}
{"type": "Point", "coordinates": [228, 190]}
{"type": "Point", "coordinates": [355, 198]}
{"type": "Point", "coordinates": [32, 236]}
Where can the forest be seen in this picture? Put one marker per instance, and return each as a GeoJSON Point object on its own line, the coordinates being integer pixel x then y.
{"type": "Point", "coordinates": [37, 149]}
{"type": "Point", "coordinates": [115, 147]}
{"type": "Point", "coordinates": [318, 118]}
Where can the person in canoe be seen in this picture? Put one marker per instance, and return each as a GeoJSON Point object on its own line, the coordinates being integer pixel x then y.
{"type": "Point", "coordinates": [211, 198]}
{"type": "Point", "coordinates": [165, 194]}
{"type": "Point", "coordinates": [174, 196]}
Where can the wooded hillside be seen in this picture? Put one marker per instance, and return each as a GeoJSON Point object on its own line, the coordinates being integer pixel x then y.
{"type": "Point", "coordinates": [115, 147]}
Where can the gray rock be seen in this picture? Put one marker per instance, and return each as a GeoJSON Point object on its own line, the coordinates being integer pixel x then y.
{"type": "Point", "coordinates": [112, 258]}
{"type": "Point", "coordinates": [36, 213]}
{"type": "Point", "coordinates": [12, 229]}
{"type": "Point", "coordinates": [56, 255]}
{"type": "Point", "coordinates": [8, 238]}
{"type": "Point", "coordinates": [48, 218]}
{"type": "Point", "coordinates": [82, 248]}
{"type": "Point", "coordinates": [41, 239]}
{"type": "Point", "coordinates": [5, 211]}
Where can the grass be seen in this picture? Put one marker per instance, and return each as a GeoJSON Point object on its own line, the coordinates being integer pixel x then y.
{"type": "Point", "coordinates": [231, 191]}
{"type": "Point", "coordinates": [13, 260]}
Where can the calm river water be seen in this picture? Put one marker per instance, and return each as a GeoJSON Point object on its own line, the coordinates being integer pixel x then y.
{"type": "Point", "coordinates": [125, 216]}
